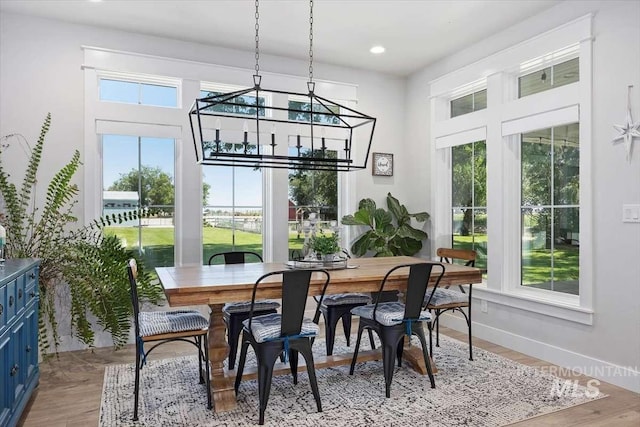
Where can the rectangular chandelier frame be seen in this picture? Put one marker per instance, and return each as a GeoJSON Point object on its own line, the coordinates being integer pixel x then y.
{"type": "Point", "coordinates": [333, 122]}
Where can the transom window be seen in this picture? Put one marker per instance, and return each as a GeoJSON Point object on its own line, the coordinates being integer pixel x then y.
{"type": "Point", "coordinates": [245, 104]}
{"type": "Point", "coordinates": [550, 77]}
{"type": "Point", "coordinates": [141, 93]}
{"type": "Point", "coordinates": [469, 103]}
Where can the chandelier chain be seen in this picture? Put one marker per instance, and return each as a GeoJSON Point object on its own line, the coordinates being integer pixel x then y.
{"type": "Point", "coordinates": [310, 40]}
{"type": "Point", "coordinates": [257, 40]}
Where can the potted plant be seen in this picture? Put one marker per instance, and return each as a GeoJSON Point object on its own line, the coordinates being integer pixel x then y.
{"type": "Point", "coordinates": [91, 264]}
{"type": "Point", "coordinates": [325, 245]}
{"type": "Point", "coordinates": [389, 232]}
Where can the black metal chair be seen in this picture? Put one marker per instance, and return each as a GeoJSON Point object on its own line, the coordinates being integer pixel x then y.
{"type": "Point", "coordinates": [288, 334]}
{"type": "Point", "coordinates": [163, 327]}
{"type": "Point", "coordinates": [338, 306]}
{"type": "Point", "coordinates": [234, 313]}
{"type": "Point", "coordinates": [393, 320]}
{"type": "Point", "coordinates": [446, 299]}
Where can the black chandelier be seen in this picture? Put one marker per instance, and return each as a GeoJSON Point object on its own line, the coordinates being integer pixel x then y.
{"type": "Point", "coordinates": [241, 128]}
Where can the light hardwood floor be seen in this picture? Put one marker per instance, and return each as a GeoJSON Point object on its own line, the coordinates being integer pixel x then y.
{"type": "Point", "coordinates": [71, 386]}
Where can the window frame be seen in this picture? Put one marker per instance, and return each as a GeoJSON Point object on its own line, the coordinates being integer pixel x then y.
{"type": "Point", "coordinates": [553, 207]}
{"type": "Point", "coordinates": [141, 79]}
{"type": "Point", "coordinates": [473, 94]}
{"type": "Point", "coordinates": [224, 88]}
{"type": "Point", "coordinates": [140, 227]}
{"type": "Point", "coordinates": [504, 119]}
{"type": "Point", "coordinates": [473, 206]}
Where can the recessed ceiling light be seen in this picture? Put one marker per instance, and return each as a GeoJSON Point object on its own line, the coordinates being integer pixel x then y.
{"type": "Point", "coordinates": [377, 49]}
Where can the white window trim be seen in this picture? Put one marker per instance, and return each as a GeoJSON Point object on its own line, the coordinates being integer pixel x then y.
{"type": "Point", "coordinates": [142, 79]}
{"type": "Point", "coordinates": [550, 59]}
{"type": "Point", "coordinates": [505, 118]}
{"type": "Point", "coordinates": [191, 75]}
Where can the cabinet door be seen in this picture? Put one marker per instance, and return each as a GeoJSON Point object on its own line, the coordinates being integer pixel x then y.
{"type": "Point", "coordinates": [31, 347]}
{"type": "Point", "coordinates": [11, 302]}
{"type": "Point", "coordinates": [17, 371]}
{"type": "Point", "coordinates": [6, 394]}
{"type": "Point", "coordinates": [3, 307]}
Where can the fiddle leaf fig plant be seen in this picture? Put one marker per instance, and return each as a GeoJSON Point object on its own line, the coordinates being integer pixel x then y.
{"type": "Point", "coordinates": [389, 231]}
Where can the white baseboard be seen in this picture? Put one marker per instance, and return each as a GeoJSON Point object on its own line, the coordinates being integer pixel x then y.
{"type": "Point", "coordinates": [621, 376]}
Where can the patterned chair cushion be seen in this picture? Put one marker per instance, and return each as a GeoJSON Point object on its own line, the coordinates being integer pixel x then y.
{"type": "Point", "coordinates": [447, 296]}
{"type": "Point", "coordinates": [245, 306]}
{"type": "Point", "coordinates": [267, 327]}
{"type": "Point", "coordinates": [343, 299]}
{"type": "Point", "coordinates": [164, 322]}
{"type": "Point", "coordinates": [388, 313]}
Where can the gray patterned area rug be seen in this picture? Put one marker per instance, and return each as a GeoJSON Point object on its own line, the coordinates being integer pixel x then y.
{"type": "Point", "coordinates": [490, 391]}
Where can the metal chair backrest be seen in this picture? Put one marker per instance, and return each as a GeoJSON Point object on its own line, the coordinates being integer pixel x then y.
{"type": "Point", "coordinates": [132, 271]}
{"type": "Point", "coordinates": [417, 283]}
{"type": "Point", "coordinates": [295, 290]}
{"type": "Point", "coordinates": [234, 257]}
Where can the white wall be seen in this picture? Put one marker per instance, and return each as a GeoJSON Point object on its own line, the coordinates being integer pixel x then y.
{"type": "Point", "coordinates": [614, 338]}
{"type": "Point", "coordinates": [40, 72]}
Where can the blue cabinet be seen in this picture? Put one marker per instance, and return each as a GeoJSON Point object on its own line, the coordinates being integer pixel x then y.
{"type": "Point", "coordinates": [19, 372]}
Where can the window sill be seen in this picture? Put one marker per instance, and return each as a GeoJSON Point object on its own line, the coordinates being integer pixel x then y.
{"type": "Point", "coordinates": [567, 308]}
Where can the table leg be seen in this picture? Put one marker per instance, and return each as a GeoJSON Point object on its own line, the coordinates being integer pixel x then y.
{"type": "Point", "coordinates": [413, 355]}
{"type": "Point", "coordinates": [222, 391]}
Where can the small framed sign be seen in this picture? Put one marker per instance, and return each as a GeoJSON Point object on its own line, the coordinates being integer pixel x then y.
{"type": "Point", "coordinates": [382, 164]}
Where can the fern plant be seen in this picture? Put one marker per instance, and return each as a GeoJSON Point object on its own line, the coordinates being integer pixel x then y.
{"type": "Point", "coordinates": [99, 285]}
{"type": "Point", "coordinates": [91, 264]}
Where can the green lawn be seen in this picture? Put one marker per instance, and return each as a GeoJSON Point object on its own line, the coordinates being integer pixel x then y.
{"type": "Point", "coordinates": [158, 243]}
{"type": "Point", "coordinates": [536, 263]}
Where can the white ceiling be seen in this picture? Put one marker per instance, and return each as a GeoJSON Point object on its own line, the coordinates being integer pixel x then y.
{"type": "Point", "coordinates": [415, 33]}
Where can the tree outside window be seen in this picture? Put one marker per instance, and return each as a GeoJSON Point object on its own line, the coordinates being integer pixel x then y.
{"type": "Point", "coordinates": [138, 173]}
{"type": "Point", "coordinates": [550, 209]}
{"type": "Point", "coordinates": [469, 199]}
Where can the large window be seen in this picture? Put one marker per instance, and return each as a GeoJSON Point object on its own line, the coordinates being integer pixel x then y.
{"type": "Point", "coordinates": [469, 199]}
{"type": "Point", "coordinates": [138, 173]}
{"type": "Point", "coordinates": [232, 214]}
{"type": "Point", "coordinates": [535, 206]}
{"type": "Point", "coordinates": [550, 208]}
{"type": "Point", "coordinates": [311, 193]}
{"type": "Point", "coordinates": [232, 196]}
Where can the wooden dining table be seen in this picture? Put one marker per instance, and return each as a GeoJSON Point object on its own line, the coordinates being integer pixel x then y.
{"type": "Point", "coordinates": [216, 285]}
